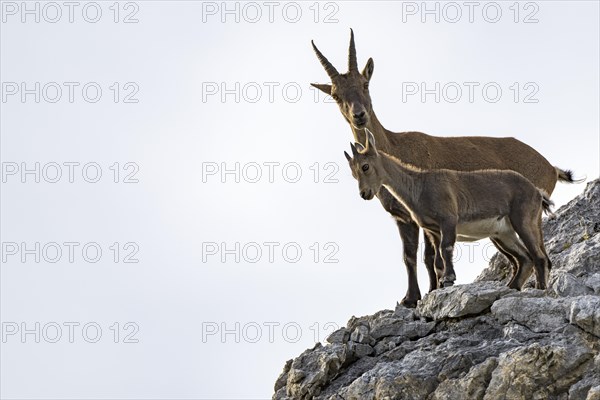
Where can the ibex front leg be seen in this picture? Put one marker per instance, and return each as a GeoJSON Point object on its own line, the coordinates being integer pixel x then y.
{"type": "Point", "coordinates": [433, 260]}
{"type": "Point", "coordinates": [446, 249]}
{"type": "Point", "coordinates": [409, 233]}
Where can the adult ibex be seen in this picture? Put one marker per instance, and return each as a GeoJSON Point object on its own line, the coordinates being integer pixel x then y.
{"type": "Point", "coordinates": [351, 92]}
{"type": "Point", "coordinates": [459, 205]}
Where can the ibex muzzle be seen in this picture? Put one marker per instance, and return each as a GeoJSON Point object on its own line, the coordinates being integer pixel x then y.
{"type": "Point", "coordinates": [359, 115]}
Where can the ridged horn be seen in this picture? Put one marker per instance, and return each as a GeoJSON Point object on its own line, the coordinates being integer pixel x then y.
{"type": "Point", "coordinates": [329, 68]}
{"type": "Point", "coordinates": [352, 63]}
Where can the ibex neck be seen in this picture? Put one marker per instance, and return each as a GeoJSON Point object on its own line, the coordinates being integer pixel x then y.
{"type": "Point", "coordinates": [401, 181]}
{"type": "Point", "coordinates": [379, 132]}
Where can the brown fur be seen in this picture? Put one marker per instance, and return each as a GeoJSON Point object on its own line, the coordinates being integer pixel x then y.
{"type": "Point", "coordinates": [351, 92]}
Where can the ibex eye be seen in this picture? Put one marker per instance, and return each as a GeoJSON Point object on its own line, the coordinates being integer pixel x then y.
{"type": "Point", "coordinates": [335, 97]}
{"type": "Point", "coordinates": [365, 167]}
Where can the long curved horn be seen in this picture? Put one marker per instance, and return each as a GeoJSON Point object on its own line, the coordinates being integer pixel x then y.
{"type": "Point", "coordinates": [352, 63]}
{"type": "Point", "coordinates": [370, 142]}
{"type": "Point", "coordinates": [329, 68]}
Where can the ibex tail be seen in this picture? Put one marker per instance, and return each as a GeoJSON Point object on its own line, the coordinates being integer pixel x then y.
{"type": "Point", "coordinates": [547, 204]}
{"type": "Point", "coordinates": [566, 175]}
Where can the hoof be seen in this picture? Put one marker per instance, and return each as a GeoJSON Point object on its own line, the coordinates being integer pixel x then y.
{"type": "Point", "coordinates": [409, 303]}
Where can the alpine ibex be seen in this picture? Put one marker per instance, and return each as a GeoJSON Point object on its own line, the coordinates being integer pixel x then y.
{"type": "Point", "coordinates": [459, 205]}
{"type": "Point", "coordinates": [351, 92]}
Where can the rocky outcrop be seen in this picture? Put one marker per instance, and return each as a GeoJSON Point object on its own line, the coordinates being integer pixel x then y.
{"type": "Point", "coordinates": [476, 341]}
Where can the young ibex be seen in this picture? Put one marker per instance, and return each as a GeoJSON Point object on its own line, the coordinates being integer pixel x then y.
{"type": "Point", "coordinates": [465, 206]}
{"type": "Point", "coordinates": [351, 92]}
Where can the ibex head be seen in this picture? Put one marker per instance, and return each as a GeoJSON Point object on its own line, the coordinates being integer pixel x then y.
{"type": "Point", "coordinates": [349, 90]}
{"type": "Point", "coordinates": [366, 167]}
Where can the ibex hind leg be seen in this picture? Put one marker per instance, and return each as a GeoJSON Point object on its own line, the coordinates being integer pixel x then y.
{"type": "Point", "coordinates": [510, 245]}
{"type": "Point", "coordinates": [529, 232]}
{"type": "Point", "coordinates": [510, 257]}
{"type": "Point", "coordinates": [543, 245]}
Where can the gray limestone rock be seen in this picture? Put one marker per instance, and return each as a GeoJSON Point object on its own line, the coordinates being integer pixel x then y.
{"type": "Point", "coordinates": [585, 313]}
{"type": "Point", "coordinates": [460, 300]}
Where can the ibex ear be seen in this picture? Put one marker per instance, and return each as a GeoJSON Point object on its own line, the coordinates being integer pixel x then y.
{"type": "Point", "coordinates": [323, 87]}
{"type": "Point", "coordinates": [347, 156]}
{"type": "Point", "coordinates": [360, 147]}
{"type": "Point", "coordinates": [368, 71]}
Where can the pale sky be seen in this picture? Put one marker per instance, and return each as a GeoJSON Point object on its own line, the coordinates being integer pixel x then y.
{"type": "Point", "coordinates": [238, 272]}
